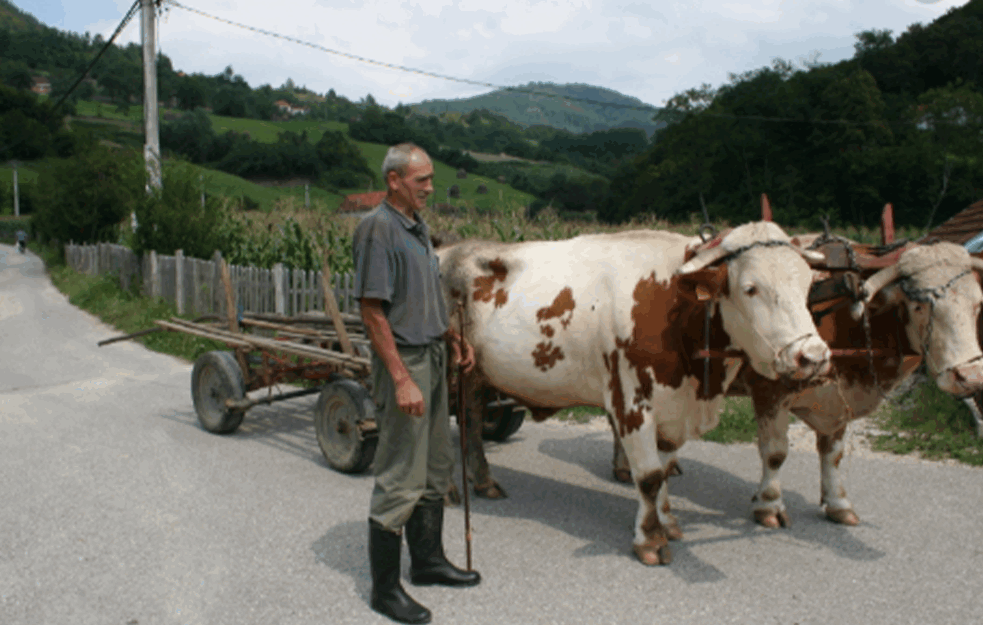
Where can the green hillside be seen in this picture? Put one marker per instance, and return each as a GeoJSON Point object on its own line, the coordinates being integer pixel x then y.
{"type": "Point", "coordinates": [12, 18]}
{"type": "Point", "coordinates": [567, 106]}
{"type": "Point", "coordinates": [114, 127]}
{"type": "Point", "coordinates": [444, 175]}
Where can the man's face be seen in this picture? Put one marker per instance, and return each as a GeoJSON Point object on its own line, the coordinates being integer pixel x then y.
{"type": "Point", "coordinates": [410, 191]}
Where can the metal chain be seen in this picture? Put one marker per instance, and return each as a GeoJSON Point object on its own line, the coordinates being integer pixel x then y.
{"type": "Point", "coordinates": [929, 295]}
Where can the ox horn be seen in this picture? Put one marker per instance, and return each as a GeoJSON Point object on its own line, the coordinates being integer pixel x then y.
{"type": "Point", "coordinates": [880, 280]}
{"type": "Point", "coordinates": [702, 259]}
{"type": "Point", "coordinates": [812, 256]}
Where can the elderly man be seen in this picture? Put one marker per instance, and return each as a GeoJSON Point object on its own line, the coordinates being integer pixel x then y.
{"type": "Point", "coordinates": [397, 282]}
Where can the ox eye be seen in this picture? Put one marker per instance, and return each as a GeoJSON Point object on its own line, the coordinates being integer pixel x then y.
{"type": "Point", "coordinates": [750, 290]}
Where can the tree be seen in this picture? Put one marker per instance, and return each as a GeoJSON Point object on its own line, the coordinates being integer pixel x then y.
{"type": "Point", "coordinates": [173, 218]}
{"type": "Point", "coordinates": [952, 121]}
{"type": "Point", "coordinates": [345, 167]}
{"type": "Point", "coordinates": [87, 197]}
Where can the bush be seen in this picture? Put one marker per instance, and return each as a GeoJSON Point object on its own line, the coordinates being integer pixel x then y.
{"type": "Point", "coordinates": [85, 198]}
{"type": "Point", "coordinates": [173, 218]}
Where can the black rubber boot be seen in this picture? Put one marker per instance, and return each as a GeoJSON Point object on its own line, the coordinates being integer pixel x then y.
{"type": "Point", "coordinates": [388, 596]}
{"type": "Point", "coordinates": [429, 565]}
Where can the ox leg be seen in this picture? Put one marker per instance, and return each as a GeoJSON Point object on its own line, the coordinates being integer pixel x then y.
{"type": "Point", "coordinates": [767, 504]}
{"type": "Point", "coordinates": [622, 471]}
{"type": "Point", "coordinates": [838, 508]}
{"type": "Point", "coordinates": [654, 524]}
{"type": "Point", "coordinates": [478, 470]}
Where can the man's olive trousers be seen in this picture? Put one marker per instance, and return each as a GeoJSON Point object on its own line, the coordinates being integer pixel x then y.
{"type": "Point", "coordinates": [414, 457]}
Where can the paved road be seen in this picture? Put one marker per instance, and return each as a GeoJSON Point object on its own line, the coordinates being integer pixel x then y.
{"type": "Point", "coordinates": [117, 508]}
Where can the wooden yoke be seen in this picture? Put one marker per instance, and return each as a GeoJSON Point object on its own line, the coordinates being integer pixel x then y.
{"type": "Point", "coordinates": [765, 208]}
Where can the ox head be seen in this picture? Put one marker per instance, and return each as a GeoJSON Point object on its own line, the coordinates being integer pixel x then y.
{"type": "Point", "coordinates": [939, 298]}
{"type": "Point", "coordinates": [764, 303]}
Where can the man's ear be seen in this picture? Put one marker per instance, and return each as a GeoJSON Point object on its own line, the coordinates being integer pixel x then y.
{"type": "Point", "coordinates": [702, 285]}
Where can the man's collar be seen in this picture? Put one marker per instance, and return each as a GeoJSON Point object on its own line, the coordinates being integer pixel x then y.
{"type": "Point", "coordinates": [409, 224]}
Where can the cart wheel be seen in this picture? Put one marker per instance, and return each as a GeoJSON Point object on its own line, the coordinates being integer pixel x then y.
{"type": "Point", "coordinates": [215, 378]}
{"type": "Point", "coordinates": [341, 407]}
{"type": "Point", "coordinates": [499, 423]}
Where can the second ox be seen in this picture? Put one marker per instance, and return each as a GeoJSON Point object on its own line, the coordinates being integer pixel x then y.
{"type": "Point", "coordinates": [923, 308]}
{"type": "Point", "coordinates": [614, 320]}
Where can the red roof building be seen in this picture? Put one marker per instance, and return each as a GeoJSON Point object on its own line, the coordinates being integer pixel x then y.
{"type": "Point", "coordinates": [357, 202]}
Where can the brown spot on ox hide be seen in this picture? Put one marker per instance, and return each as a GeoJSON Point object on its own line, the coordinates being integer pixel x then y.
{"type": "Point", "coordinates": [547, 331]}
{"type": "Point", "coordinates": [667, 328]}
{"type": "Point", "coordinates": [776, 460]}
{"type": "Point", "coordinates": [627, 420]}
{"type": "Point", "coordinates": [546, 355]}
{"type": "Point", "coordinates": [562, 304]}
{"type": "Point", "coordinates": [484, 286]}
{"type": "Point", "coordinates": [664, 443]}
{"type": "Point", "coordinates": [650, 483]}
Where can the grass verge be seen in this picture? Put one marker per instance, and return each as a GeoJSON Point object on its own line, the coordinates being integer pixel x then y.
{"type": "Point", "coordinates": [127, 311]}
{"type": "Point", "coordinates": [931, 423]}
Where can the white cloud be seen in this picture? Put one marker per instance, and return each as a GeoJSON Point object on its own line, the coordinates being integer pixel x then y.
{"type": "Point", "coordinates": [648, 50]}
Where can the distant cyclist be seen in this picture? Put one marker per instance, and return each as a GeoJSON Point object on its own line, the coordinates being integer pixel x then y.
{"type": "Point", "coordinates": [21, 240]}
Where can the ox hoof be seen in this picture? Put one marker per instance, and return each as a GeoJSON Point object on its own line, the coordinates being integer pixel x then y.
{"type": "Point", "coordinates": [772, 519]}
{"type": "Point", "coordinates": [673, 532]}
{"type": "Point", "coordinates": [843, 516]}
{"type": "Point", "coordinates": [651, 555]}
{"type": "Point", "coordinates": [622, 475]}
{"type": "Point", "coordinates": [675, 469]}
{"type": "Point", "coordinates": [491, 490]}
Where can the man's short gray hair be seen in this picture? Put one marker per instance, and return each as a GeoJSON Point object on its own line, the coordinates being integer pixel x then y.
{"type": "Point", "coordinates": [398, 158]}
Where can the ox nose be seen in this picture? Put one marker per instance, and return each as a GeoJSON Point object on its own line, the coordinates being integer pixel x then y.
{"type": "Point", "coordinates": [812, 360]}
{"type": "Point", "coordinates": [969, 377]}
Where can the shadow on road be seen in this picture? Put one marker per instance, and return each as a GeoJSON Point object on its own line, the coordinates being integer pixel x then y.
{"type": "Point", "coordinates": [286, 426]}
{"type": "Point", "coordinates": [344, 549]}
{"type": "Point", "coordinates": [720, 510]}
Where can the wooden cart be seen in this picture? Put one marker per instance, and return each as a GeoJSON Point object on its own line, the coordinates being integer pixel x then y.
{"type": "Point", "coordinates": [273, 350]}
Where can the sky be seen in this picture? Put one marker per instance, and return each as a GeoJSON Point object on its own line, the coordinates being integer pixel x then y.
{"type": "Point", "coordinates": [642, 48]}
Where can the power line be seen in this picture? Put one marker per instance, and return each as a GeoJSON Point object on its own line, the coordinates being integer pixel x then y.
{"type": "Point", "coordinates": [533, 92]}
{"type": "Point", "coordinates": [126, 20]}
{"type": "Point", "coordinates": [123, 23]}
{"type": "Point", "coordinates": [411, 70]}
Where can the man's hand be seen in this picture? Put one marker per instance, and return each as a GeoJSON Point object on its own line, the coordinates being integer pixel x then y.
{"type": "Point", "coordinates": [409, 398]}
{"type": "Point", "coordinates": [465, 360]}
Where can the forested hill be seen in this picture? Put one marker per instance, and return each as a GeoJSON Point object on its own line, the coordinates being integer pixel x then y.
{"type": "Point", "coordinates": [12, 18]}
{"type": "Point", "coordinates": [568, 106]}
{"type": "Point", "coordinates": [900, 122]}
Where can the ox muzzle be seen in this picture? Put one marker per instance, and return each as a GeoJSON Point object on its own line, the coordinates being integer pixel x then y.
{"type": "Point", "coordinates": [962, 380]}
{"type": "Point", "coordinates": [804, 359]}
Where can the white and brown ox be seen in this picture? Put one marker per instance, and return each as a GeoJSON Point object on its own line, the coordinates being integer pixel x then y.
{"type": "Point", "coordinates": [613, 320]}
{"type": "Point", "coordinates": [925, 306]}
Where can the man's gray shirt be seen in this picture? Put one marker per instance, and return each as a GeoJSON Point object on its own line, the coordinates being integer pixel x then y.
{"type": "Point", "coordinates": [395, 263]}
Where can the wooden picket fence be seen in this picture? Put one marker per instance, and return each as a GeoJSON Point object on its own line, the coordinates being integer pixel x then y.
{"type": "Point", "coordinates": [195, 285]}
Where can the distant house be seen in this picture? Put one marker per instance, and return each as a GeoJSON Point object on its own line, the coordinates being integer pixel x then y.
{"type": "Point", "coordinates": [358, 202]}
{"type": "Point", "coordinates": [290, 109]}
{"type": "Point", "coordinates": [40, 85]}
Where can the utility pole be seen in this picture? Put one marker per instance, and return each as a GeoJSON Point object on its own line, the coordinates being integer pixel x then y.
{"type": "Point", "coordinates": [151, 149]}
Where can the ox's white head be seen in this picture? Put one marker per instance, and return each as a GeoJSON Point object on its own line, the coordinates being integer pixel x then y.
{"type": "Point", "coordinates": [764, 306]}
{"type": "Point", "coordinates": [941, 299]}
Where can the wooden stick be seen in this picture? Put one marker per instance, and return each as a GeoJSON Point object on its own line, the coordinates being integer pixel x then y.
{"type": "Point", "coordinates": [331, 306]}
{"type": "Point", "coordinates": [462, 426]}
{"type": "Point", "coordinates": [310, 351]}
{"type": "Point", "coordinates": [230, 298]}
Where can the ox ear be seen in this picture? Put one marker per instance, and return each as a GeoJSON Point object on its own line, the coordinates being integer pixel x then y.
{"type": "Point", "coordinates": [702, 285]}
